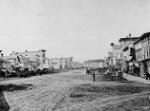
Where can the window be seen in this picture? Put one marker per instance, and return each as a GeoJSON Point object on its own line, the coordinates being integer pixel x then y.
{"type": "Point", "coordinates": [43, 55]}
{"type": "Point", "coordinates": [43, 61]}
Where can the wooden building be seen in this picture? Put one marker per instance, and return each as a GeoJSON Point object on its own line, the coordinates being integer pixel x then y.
{"type": "Point", "coordinates": [142, 49]}
{"type": "Point", "coordinates": [126, 44]}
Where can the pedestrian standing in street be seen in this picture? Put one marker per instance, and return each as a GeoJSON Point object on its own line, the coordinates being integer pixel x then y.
{"type": "Point", "coordinates": [93, 73]}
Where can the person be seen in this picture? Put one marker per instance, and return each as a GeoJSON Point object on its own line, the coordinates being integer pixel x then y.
{"type": "Point", "coordinates": [93, 73]}
{"type": "Point", "coordinates": [4, 106]}
{"type": "Point", "coordinates": [87, 71]}
{"type": "Point", "coordinates": [147, 75]}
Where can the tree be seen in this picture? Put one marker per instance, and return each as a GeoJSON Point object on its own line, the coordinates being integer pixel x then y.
{"type": "Point", "coordinates": [132, 54]}
{"type": "Point", "coordinates": [133, 59]}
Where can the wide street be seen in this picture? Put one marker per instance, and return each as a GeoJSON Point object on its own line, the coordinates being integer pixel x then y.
{"type": "Point", "coordinates": [75, 91]}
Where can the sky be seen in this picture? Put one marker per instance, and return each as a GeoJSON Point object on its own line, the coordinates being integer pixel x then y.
{"type": "Point", "coordinates": [82, 29]}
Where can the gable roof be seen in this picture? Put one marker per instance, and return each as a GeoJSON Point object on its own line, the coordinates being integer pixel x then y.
{"type": "Point", "coordinates": [142, 37]}
{"type": "Point", "coordinates": [128, 38]}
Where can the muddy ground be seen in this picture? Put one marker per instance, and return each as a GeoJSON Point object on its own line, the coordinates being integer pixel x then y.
{"type": "Point", "coordinates": [75, 91]}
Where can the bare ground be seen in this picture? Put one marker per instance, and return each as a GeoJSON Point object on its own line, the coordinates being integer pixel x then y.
{"type": "Point", "coordinates": [74, 91]}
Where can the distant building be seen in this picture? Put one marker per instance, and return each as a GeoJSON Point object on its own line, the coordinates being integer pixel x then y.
{"type": "Point", "coordinates": [66, 63]}
{"type": "Point", "coordinates": [77, 65]}
{"type": "Point", "coordinates": [62, 63]}
{"type": "Point", "coordinates": [98, 63]}
{"type": "Point", "coordinates": [124, 42]}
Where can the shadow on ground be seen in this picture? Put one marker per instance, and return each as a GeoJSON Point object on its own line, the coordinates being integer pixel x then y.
{"type": "Point", "coordinates": [98, 77]}
{"type": "Point", "coordinates": [87, 93]}
{"type": "Point", "coordinates": [14, 87]}
{"type": "Point", "coordinates": [92, 91]}
{"type": "Point", "coordinates": [4, 106]}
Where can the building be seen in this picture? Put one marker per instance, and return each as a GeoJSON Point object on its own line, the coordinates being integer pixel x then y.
{"type": "Point", "coordinates": [39, 55]}
{"type": "Point", "coordinates": [127, 40]}
{"type": "Point", "coordinates": [66, 63]}
{"type": "Point", "coordinates": [126, 44]}
{"type": "Point", "coordinates": [142, 50]}
{"type": "Point", "coordinates": [62, 63]}
{"type": "Point", "coordinates": [31, 59]}
{"type": "Point", "coordinates": [93, 64]}
{"type": "Point", "coordinates": [55, 63]}
{"type": "Point", "coordinates": [77, 65]}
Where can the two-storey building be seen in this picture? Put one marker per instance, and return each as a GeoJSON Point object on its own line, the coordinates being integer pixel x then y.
{"type": "Point", "coordinates": [142, 49]}
{"type": "Point", "coordinates": [94, 64]}
{"type": "Point", "coordinates": [28, 58]}
{"type": "Point", "coordinates": [126, 44]}
{"type": "Point", "coordinates": [62, 63]}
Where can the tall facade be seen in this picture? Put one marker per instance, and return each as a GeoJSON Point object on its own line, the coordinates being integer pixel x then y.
{"type": "Point", "coordinates": [33, 55]}
{"type": "Point", "coordinates": [77, 65]}
{"type": "Point", "coordinates": [126, 44]}
{"type": "Point", "coordinates": [66, 63]}
{"type": "Point", "coordinates": [142, 49]}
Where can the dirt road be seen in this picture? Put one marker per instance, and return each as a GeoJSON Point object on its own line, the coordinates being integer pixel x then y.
{"type": "Point", "coordinates": [71, 91]}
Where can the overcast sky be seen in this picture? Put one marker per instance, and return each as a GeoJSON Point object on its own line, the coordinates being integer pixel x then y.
{"type": "Point", "coordinates": [83, 29]}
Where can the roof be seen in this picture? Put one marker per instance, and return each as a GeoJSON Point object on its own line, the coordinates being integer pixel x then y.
{"type": "Point", "coordinates": [142, 37]}
{"type": "Point", "coordinates": [96, 60]}
{"type": "Point", "coordinates": [128, 38]}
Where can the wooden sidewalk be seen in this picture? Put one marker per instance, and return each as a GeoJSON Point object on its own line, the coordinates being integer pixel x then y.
{"type": "Point", "coordinates": [136, 79]}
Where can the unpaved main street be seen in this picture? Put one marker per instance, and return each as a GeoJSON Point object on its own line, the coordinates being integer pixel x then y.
{"type": "Point", "coordinates": [74, 91]}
